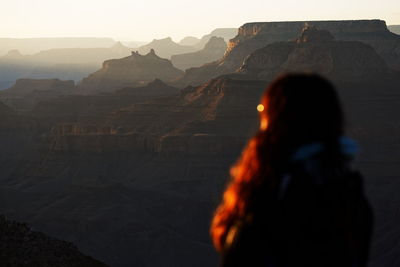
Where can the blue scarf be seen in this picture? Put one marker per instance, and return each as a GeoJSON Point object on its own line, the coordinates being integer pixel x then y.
{"type": "Point", "coordinates": [347, 146]}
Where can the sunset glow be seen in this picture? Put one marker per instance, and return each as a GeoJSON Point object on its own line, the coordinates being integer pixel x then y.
{"type": "Point", "coordinates": [146, 20]}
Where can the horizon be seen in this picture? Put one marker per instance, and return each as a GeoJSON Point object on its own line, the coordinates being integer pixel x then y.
{"type": "Point", "coordinates": [126, 21]}
{"type": "Point", "coordinates": [177, 40]}
{"type": "Point", "coordinates": [174, 39]}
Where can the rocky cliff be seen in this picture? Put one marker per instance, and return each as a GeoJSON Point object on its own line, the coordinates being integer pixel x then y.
{"type": "Point", "coordinates": [316, 51]}
{"type": "Point", "coordinates": [253, 36]}
{"type": "Point", "coordinates": [134, 70]}
{"type": "Point", "coordinates": [212, 51]}
{"type": "Point", "coordinates": [372, 32]}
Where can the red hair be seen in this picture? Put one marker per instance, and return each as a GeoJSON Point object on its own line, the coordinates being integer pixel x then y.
{"type": "Point", "coordinates": [299, 109]}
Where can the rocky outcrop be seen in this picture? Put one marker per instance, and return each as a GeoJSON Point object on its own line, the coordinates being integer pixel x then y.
{"type": "Point", "coordinates": [213, 50]}
{"type": "Point", "coordinates": [253, 36]}
{"type": "Point", "coordinates": [132, 71]}
{"type": "Point", "coordinates": [316, 51]}
{"type": "Point", "coordinates": [166, 48]}
{"type": "Point", "coordinates": [20, 246]}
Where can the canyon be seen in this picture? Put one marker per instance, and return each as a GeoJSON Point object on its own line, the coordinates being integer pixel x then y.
{"type": "Point", "coordinates": [130, 163]}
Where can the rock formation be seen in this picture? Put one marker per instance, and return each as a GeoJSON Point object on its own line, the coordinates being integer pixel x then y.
{"type": "Point", "coordinates": [165, 48]}
{"type": "Point", "coordinates": [316, 51]}
{"type": "Point", "coordinates": [20, 246]}
{"type": "Point", "coordinates": [213, 50]}
{"type": "Point", "coordinates": [372, 32]}
{"type": "Point", "coordinates": [132, 71]}
{"type": "Point", "coordinates": [253, 36]}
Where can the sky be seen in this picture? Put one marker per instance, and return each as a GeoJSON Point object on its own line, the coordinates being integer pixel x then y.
{"type": "Point", "coordinates": [130, 20]}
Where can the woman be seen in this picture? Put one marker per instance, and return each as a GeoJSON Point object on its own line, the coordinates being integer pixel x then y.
{"type": "Point", "coordinates": [293, 199]}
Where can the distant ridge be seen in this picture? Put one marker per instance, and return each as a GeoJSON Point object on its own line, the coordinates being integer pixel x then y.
{"type": "Point", "coordinates": [132, 71]}
{"type": "Point", "coordinates": [165, 48]}
{"type": "Point", "coordinates": [256, 35]}
{"type": "Point", "coordinates": [35, 45]}
{"type": "Point", "coordinates": [61, 63]}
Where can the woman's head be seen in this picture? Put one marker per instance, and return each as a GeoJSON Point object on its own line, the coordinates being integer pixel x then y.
{"type": "Point", "coordinates": [295, 109]}
{"type": "Point", "coordinates": [302, 107]}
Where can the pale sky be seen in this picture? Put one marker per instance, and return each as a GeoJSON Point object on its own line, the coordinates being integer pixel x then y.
{"type": "Point", "coordinates": [149, 19]}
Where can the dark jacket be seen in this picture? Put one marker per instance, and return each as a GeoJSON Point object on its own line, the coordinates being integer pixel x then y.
{"type": "Point", "coordinates": [319, 216]}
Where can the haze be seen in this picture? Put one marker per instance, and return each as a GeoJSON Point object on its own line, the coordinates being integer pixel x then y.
{"type": "Point", "coordinates": [146, 20]}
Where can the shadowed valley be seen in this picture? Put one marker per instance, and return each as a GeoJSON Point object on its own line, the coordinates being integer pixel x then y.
{"type": "Point", "coordinates": [117, 162]}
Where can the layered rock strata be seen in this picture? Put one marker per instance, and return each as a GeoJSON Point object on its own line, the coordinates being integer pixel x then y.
{"type": "Point", "coordinates": [316, 51]}
{"type": "Point", "coordinates": [253, 36]}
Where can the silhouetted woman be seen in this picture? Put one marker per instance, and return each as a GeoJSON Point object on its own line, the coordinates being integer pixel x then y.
{"type": "Point", "coordinates": [293, 199]}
